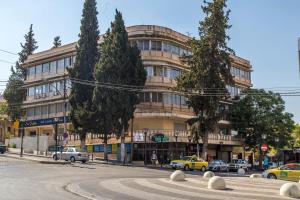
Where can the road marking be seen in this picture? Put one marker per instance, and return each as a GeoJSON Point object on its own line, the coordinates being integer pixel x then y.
{"type": "Point", "coordinates": [75, 188]}
{"type": "Point", "coordinates": [115, 186]}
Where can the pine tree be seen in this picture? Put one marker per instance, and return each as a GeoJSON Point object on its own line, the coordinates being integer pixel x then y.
{"type": "Point", "coordinates": [86, 57]}
{"type": "Point", "coordinates": [209, 70]}
{"type": "Point", "coordinates": [56, 42]}
{"type": "Point", "coordinates": [119, 64]}
{"type": "Point", "coordinates": [28, 48]}
{"type": "Point", "coordinates": [14, 94]}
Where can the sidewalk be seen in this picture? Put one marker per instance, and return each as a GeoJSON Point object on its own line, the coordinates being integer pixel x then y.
{"type": "Point", "coordinates": [34, 158]}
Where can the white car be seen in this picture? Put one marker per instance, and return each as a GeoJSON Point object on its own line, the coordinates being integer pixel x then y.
{"type": "Point", "coordinates": [71, 154]}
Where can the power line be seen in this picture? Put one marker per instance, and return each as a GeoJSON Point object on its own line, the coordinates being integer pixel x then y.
{"type": "Point", "coordinates": [9, 52]}
{"type": "Point", "coordinates": [6, 61]}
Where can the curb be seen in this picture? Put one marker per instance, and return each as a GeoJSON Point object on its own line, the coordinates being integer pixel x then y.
{"type": "Point", "coordinates": [38, 161]}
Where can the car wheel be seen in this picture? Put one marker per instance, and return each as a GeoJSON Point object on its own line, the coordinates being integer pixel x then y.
{"type": "Point", "coordinates": [174, 168]}
{"type": "Point", "coordinates": [2, 152]}
{"type": "Point", "coordinates": [55, 157]}
{"type": "Point", "coordinates": [186, 168]}
{"type": "Point", "coordinates": [83, 161]}
{"type": "Point", "coordinates": [271, 176]}
{"type": "Point", "coordinates": [203, 169]}
{"type": "Point", "coordinates": [72, 159]}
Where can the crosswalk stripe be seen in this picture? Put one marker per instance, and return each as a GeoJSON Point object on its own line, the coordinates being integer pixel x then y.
{"type": "Point", "coordinates": [115, 186]}
{"type": "Point", "coordinates": [146, 183]}
{"type": "Point", "coordinates": [231, 193]}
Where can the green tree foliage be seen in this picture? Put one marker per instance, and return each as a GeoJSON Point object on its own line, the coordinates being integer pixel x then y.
{"type": "Point", "coordinates": [209, 72]}
{"type": "Point", "coordinates": [14, 94]}
{"type": "Point", "coordinates": [296, 135]}
{"type": "Point", "coordinates": [261, 112]}
{"type": "Point", "coordinates": [3, 108]}
{"type": "Point", "coordinates": [119, 64]}
{"type": "Point", "coordinates": [86, 58]}
{"type": "Point", "coordinates": [56, 42]}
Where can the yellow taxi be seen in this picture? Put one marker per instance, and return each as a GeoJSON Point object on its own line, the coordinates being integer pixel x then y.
{"type": "Point", "coordinates": [289, 172]}
{"type": "Point", "coordinates": [190, 163]}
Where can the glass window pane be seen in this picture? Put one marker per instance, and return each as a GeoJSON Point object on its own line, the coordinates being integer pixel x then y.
{"type": "Point", "coordinates": [158, 71]}
{"type": "Point", "coordinates": [150, 71]}
{"type": "Point", "coordinates": [67, 62]}
{"type": "Point", "coordinates": [147, 96]}
{"type": "Point", "coordinates": [52, 108]}
{"type": "Point", "coordinates": [44, 110]}
{"type": "Point", "coordinates": [159, 97]}
{"type": "Point", "coordinates": [38, 69]}
{"type": "Point", "coordinates": [60, 65]}
{"type": "Point", "coordinates": [37, 110]}
{"type": "Point", "coordinates": [31, 91]}
{"type": "Point", "coordinates": [53, 67]}
{"type": "Point", "coordinates": [45, 67]}
{"type": "Point", "coordinates": [146, 44]}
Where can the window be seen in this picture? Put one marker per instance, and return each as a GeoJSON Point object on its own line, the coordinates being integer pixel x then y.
{"type": "Point", "coordinates": [52, 87]}
{"type": "Point", "coordinates": [31, 71]}
{"type": "Point", "coordinates": [167, 98]}
{"type": "Point", "coordinates": [46, 68]}
{"type": "Point", "coordinates": [167, 47]}
{"type": "Point", "coordinates": [37, 111]}
{"type": "Point", "coordinates": [143, 45]}
{"type": "Point", "coordinates": [141, 97]}
{"type": "Point", "coordinates": [183, 101]}
{"type": "Point", "coordinates": [45, 88]}
{"type": "Point", "coordinates": [52, 109]}
{"type": "Point", "coordinates": [44, 110]}
{"type": "Point", "coordinates": [53, 67]}
{"type": "Point", "coordinates": [150, 71]}
{"type": "Point", "coordinates": [60, 65]}
{"type": "Point", "coordinates": [30, 112]}
{"type": "Point", "coordinates": [156, 45]}
{"type": "Point", "coordinates": [175, 50]}
{"type": "Point", "coordinates": [175, 73]}
{"type": "Point", "coordinates": [147, 97]}
{"type": "Point", "coordinates": [38, 89]}
{"type": "Point", "coordinates": [38, 69]}
{"type": "Point", "coordinates": [156, 97]}
{"type": "Point", "coordinates": [167, 72]}
{"type": "Point", "coordinates": [67, 62]}
{"type": "Point", "coordinates": [59, 107]}
{"type": "Point", "coordinates": [158, 71]}
{"type": "Point", "coordinates": [31, 91]}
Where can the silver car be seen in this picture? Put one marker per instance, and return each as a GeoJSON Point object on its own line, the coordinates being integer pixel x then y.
{"type": "Point", "coordinates": [71, 153]}
{"type": "Point", "coordinates": [218, 165]}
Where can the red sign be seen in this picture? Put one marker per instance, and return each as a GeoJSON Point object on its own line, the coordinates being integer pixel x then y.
{"type": "Point", "coordinates": [264, 147]}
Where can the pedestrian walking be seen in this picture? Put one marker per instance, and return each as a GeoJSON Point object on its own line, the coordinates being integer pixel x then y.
{"type": "Point", "coordinates": [153, 158]}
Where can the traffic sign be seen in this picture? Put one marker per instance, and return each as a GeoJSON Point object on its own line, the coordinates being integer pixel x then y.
{"type": "Point", "coordinates": [264, 147]}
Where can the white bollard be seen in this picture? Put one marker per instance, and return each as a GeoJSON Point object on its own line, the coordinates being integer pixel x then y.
{"type": "Point", "coordinates": [208, 174]}
{"type": "Point", "coordinates": [241, 171]}
{"type": "Point", "coordinates": [178, 175]}
{"type": "Point", "coordinates": [290, 190]}
{"type": "Point", "coordinates": [256, 176]}
{"type": "Point", "coordinates": [216, 183]}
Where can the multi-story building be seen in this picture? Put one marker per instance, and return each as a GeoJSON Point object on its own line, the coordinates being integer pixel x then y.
{"type": "Point", "coordinates": [161, 114]}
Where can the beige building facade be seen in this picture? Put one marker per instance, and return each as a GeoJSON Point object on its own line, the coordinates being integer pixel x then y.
{"type": "Point", "coordinates": [160, 113]}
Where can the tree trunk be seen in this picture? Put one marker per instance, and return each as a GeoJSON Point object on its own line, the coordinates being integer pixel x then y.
{"type": "Point", "coordinates": [105, 147]}
{"type": "Point", "coordinates": [82, 144]}
{"type": "Point", "coordinates": [205, 145]}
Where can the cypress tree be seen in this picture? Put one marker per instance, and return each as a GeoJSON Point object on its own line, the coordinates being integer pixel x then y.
{"type": "Point", "coordinates": [14, 94]}
{"type": "Point", "coordinates": [119, 64]}
{"type": "Point", "coordinates": [209, 73]}
{"type": "Point", "coordinates": [56, 42]}
{"type": "Point", "coordinates": [86, 57]}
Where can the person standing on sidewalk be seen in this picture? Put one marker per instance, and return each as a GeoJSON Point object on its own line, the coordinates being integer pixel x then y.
{"type": "Point", "coordinates": [153, 158]}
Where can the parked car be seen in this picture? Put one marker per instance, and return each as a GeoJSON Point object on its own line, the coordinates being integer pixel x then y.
{"type": "Point", "coordinates": [218, 165]}
{"type": "Point", "coordinates": [71, 154]}
{"type": "Point", "coordinates": [2, 149]}
{"type": "Point", "coordinates": [190, 163]}
{"type": "Point", "coordinates": [53, 149]}
{"type": "Point", "coordinates": [239, 163]}
{"type": "Point", "coordinates": [289, 172]}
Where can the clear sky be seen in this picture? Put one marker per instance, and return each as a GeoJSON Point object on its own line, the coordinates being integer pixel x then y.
{"type": "Point", "coordinates": [264, 31]}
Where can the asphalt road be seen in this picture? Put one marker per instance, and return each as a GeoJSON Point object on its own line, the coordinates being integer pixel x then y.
{"type": "Point", "coordinates": [33, 181]}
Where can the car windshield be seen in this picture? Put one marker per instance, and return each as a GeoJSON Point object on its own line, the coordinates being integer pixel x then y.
{"type": "Point", "coordinates": [186, 158]}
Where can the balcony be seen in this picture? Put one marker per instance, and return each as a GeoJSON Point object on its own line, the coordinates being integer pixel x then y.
{"type": "Point", "coordinates": [213, 138]}
{"type": "Point", "coordinates": [160, 81]}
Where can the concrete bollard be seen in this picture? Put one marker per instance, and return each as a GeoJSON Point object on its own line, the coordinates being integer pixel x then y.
{"type": "Point", "coordinates": [216, 183]}
{"type": "Point", "coordinates": [241, 171]}
{"type": "Point", "coordinates": [290, 190]}
{"type": "Point", "coordinates": [255, 176]}
{"type": "Point", "coordinates": [178, 175]}
{"type": "Point", "coordinates": [208, 174]}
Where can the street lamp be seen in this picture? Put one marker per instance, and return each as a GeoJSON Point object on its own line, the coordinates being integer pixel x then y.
{"type": "Point", "coordinates": [22, 135]}
{"type": "Point", "coordinates": [176, 134]}
{"type": "Point", "coordinates": [56, 136]}
{"type": "Point", "coordinates": [277, 141]}
{"type": "Point", "coordinates": [190, 140]}
{"type": "Point", "coordinates": [145, 145]}
{"type": "Point", "coordinates": [221, 143]}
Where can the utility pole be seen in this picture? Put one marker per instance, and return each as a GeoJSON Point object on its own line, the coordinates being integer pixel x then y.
{"type": "Point", "coordinates": [65, 135]}
{"type": "Point", "coordinates": [22, 137]}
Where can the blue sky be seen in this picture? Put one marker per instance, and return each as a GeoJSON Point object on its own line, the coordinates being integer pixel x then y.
{"type": "Point", "coordinates": [264, 31]}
